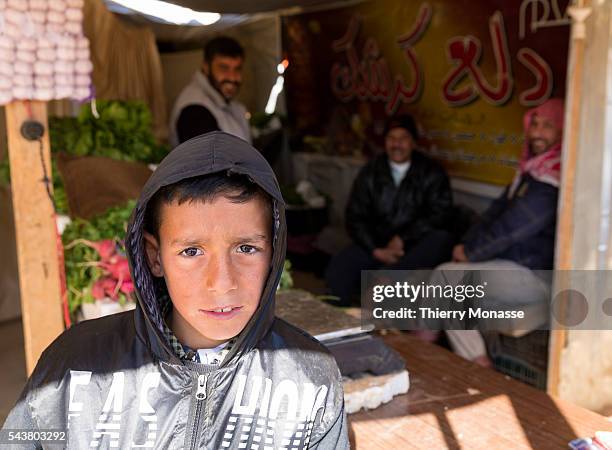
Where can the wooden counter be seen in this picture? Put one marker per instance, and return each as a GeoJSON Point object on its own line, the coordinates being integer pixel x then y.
{"type": "Point", "coordinates": [455, 404]}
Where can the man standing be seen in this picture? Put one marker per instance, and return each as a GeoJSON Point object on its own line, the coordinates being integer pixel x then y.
{"type": "Point", "coordinates": [516, 233]}
{"type": "Point", "coordinates": [207, 103]}
{"type": "Point", "coordinates": [396, 213]}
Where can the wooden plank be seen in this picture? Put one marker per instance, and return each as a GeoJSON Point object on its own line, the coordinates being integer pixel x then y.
{"type": "Point", "coordinates": [565, 227]}
{"type": "Point", "coordinates": [453, 403]}
{"type": "Point", "coordinates": [35, 230]}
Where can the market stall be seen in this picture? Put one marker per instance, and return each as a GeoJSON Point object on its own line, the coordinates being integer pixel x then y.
{"type": "Point", "coordinates": [95, 161]}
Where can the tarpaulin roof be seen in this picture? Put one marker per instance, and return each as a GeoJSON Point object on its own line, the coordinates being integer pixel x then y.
{"type": "Point", "coordinates": [233, 12]}
{"type": "Point", "coordinates": [246, 6]}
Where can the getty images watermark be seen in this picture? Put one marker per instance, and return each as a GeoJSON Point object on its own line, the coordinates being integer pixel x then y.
{"type": "Point", "coordinates": [491, 300]}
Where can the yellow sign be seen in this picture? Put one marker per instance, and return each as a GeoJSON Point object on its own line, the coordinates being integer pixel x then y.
{"type": "Point", "coordinates": [466, 70]}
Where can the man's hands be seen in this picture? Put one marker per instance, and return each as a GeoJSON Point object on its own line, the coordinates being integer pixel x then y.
{"type": "Point", "coordinates": [459, 253]}
{"type": "Point", "coordinates": [386, 255]}
{"type": "Point", "coordinates": [391, 253]}
{"type": "Point", "coordinates": [395, 250]}
{"type": "Point", "coordinates": [396, 243]}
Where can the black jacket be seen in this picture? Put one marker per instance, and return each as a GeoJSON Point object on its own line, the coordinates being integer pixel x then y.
{"type": "Point", "coordinates": [521, 228]}
{"type": "Point", "coordinates": [377, 209]}
{"type": "Point", "coordinates": [116, 381]}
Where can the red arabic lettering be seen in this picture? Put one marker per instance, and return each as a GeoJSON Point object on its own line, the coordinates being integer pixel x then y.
{"type": "Point", "coordinates": [466, 52]}
{"type": "Point", "coordinates": [370, 78]}
{"type": "Point", "coordinates": [342, 80]}
{"type": "Point", "coordinates": [544, 78]}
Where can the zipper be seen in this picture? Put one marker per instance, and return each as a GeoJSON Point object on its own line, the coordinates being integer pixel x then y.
{"type": "Point", "coordinates": [200, 396]}
{"type": "Point", "coordinates": [201, 392]}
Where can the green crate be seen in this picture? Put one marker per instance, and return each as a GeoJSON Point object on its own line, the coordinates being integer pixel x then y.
{"type": "Point", "coordinates": [524, 358]}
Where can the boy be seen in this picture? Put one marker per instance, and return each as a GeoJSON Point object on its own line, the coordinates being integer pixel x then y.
{"type": "Point", "coordinates": [202, 362]}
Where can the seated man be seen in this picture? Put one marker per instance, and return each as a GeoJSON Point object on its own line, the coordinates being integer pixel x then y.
{"type": "Point", "coordinates": [517, 232]}
{"type": "Point", "coordinates": [395, 214]}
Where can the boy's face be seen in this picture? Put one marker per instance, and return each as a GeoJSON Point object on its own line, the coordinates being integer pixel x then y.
{"type": "Point", "coordinates": [215, 258]}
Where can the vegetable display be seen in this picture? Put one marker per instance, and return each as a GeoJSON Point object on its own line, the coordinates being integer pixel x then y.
{"type": "Point", "coordinates": [286, 280]}
{"type": "Point", "coordinates": [94, 257]}
{"type": "Point", "coordinates": [122, 131]}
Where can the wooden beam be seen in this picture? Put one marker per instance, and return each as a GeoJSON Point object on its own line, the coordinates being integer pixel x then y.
{"type": "Point", "coordinates": [565, 223]}
{"type": "Point", "coordinates": [36, 235]}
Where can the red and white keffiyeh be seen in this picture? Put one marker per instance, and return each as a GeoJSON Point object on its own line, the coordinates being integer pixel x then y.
{"type": "Point", "coordinates": [545, 167]}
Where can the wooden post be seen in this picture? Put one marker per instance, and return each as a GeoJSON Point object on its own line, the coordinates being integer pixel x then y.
{"type": "Point", "coordinates": [565, 223]}
{"type": "Point", "coordinates": [35, 230]}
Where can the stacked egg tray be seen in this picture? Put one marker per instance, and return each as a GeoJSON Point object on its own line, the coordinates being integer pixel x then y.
{"type": "Point", "coordinates": [44, 54]}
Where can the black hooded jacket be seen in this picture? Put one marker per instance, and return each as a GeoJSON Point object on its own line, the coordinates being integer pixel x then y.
{"type": "Point", "coordinates": [377, 209]}
{"type": "Point", "coordinates": [115, 381]}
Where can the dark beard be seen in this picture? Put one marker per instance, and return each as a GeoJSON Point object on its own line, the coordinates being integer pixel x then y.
{"type": "Point", "coordinates": [533, 152]}
{"type": "Point", "coordinates": [218, 85]}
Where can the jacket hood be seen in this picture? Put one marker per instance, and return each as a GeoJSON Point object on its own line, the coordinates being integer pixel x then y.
{"type": "Point", "coordinates": [206, 154]}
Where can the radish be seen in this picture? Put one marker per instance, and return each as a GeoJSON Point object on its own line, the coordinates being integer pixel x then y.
{"type": "Point", "coordinates": [116, 279]}
{"type": "Point", "coordinates": [104, 287]}
{"type": "Point", "coordinates": [105, 248]}
{"type": "Point", "coordinates": [127, 287]}
{"type": "Point", "coordinates": [118, 269]}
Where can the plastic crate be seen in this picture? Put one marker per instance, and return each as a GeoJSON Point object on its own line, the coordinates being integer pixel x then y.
{"type": "Point", "coordinates": [524, 358]}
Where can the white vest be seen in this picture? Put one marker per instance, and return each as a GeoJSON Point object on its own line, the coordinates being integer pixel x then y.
{"type": "Point", "coordinates": [231, 116]}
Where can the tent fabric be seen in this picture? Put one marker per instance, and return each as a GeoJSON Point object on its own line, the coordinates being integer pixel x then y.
{"type": "Point", "coordinates": [233, 13]}
{"type": "Point", "coordinates": [126, 62]}
{"type": "Point", "coordinates": [245, 7]}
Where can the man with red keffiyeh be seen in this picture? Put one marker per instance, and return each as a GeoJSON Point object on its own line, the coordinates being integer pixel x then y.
{"type": "Point", "coordinates": [517, 232]}
{"type": "Point", "coordinates": [520, 225]}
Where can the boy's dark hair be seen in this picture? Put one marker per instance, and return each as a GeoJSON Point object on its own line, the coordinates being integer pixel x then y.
{"type": "Point", "coordinates": [237, 188]}
{"type": "Point", "coordinates": [224, 46]}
